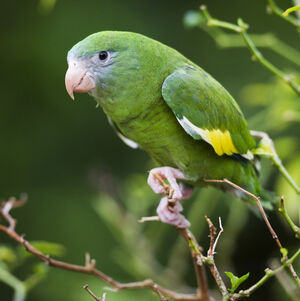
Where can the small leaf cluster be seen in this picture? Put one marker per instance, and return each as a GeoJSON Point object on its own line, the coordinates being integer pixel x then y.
{"type": "Point", "coordinates": [12, 259]}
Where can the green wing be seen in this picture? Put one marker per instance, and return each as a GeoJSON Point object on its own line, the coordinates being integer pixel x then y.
{"type": "Point", "coordinates": [207, 111]}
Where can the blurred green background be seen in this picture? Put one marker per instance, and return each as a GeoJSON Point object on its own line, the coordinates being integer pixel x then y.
{"type": "Point", "coordinates": [87, 189]}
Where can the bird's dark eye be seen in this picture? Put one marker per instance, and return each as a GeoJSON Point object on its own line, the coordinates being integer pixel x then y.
{"type": "Point", "coordinates": [103, 55]}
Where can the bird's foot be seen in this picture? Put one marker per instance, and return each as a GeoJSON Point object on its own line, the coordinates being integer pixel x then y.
{"type": "Point", "coordinates": [169, 208]}
{"type": "Point", "coordinates": [168, 212]}
{"type": "Point", "coordinates": [172, 189]}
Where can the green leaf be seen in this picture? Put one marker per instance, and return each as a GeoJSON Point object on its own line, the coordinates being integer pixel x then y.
{"type": "Point", "coordinates": [7, 254]}
{"type": "Point", "coordinates": [46, 248]}
{"type": "Point", "coordinates": [49, 248]}
{"type": "Point", "coordinates": [236, 281]}
{"type": "Point", "coordinates": [284, 252]}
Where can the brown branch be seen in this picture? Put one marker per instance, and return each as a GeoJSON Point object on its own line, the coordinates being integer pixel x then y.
{"type": "Point", "coordinates": [12, 203]}
{"type": "Point", "coordinates": [196, 252]}
{"type": "Point", "coordinates": [262, 211]}
{"type": "Point", "coordinates": [90, 265]}
{"type": "Point", "coordinates": [160, 295]}
{"type": "Point", "coordinates": [195, 249]}
{"type": "Point", "coordinates": [86, 287]}
{"type": "Point", "coordinates": [211, 253]}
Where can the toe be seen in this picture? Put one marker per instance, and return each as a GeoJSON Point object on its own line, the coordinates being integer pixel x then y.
{"type": "Point", "coordinates": [168, 212]}
{"type": "Point", "coordinates": [154, 184]}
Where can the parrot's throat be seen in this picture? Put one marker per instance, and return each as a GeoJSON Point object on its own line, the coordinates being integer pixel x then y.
{"type": "Point", "coordinates": [126, 106]}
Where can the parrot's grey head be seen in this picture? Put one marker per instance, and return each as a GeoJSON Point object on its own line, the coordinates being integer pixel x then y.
{"type": "Point", "coordinates": [108, 62]}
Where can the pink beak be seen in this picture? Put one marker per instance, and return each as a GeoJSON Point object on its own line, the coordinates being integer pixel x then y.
{"type": "Point", "coordinates": [78, 79]}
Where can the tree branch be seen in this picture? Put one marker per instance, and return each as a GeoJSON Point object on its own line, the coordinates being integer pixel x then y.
{"type": "Point", "coordinates": [279, 12]}
{"type": "Point", "coordinates": [195, 249]}
{"type": "Point", "coordinates": [272, 231]}
{"type": "Point", "coordinates": [267, 148]}
{"type": "Point", "coordinates": [242, 28]}
{"type": "Point", "coordinates": [196, 252]}
{"type": "Point", "coordinates": [198, 258]}
{"type": "Point", "coordinates": [268, 274]}
{"type": "Point", "coordinates": [86, 287]}
{"type": "Point", "coordinates": [210, 260]}
{"type": "Point", "coordinates": [90, 264]}
{"type": "Point", "coordinates": [282, 209]}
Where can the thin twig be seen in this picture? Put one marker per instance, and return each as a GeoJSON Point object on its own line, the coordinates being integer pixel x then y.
{"type": "Point", "coordinates": [196, 252]}
{"type": "Point", "coordinates": [148, 219]}
{"type": "Point", "coordinates": [218, 236]}
{"type": "Point", "coordinates": [268, 150]}
{"type": "Point", "coordinates": [86, 287]}
{"type": "Point", "coordinates": [160, 295]}
{"type": "Point", "coordinates": [10, 204]}
{"type": "Point", "coordinates": [242, 28]}
{"type": "Point", "coordinates": [90, 264]}
{"type": "Point", "coordinates": [290, 10]}
{"type": "Point", "coordinates": [285, 280]}
{"type": "Point", "coordinates": [279, 12]}
{"type": "Point", "coordinates": [195, 249]}
{"type": "Point", "coordinates": [282, 209]}
{"type": "Point", "coordinates": [210, 256]}
{"type": "Point", "coordinates": [262, 211]}
{"type": "Point", "coordinates": [268, 274]}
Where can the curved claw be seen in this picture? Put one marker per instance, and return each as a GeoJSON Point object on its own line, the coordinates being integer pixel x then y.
{"type": "Point", "coordinates": [169, 212]}
{"type": "Point", "coordinates": [173, 190]}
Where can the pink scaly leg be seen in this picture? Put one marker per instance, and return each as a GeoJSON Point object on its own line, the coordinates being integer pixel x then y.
{"type": "Point", "coordinates": [169, 207]}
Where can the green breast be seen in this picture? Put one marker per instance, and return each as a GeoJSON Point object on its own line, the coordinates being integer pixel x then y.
{"type": "Point", "coordinates": [157, 131]}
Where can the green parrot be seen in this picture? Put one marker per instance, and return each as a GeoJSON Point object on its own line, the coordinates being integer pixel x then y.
{"type": "Point", "coordinates": [160, 101]}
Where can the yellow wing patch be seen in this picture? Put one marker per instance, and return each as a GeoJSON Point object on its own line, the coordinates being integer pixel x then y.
{"type": "Point", "coordinates": [220, 141]}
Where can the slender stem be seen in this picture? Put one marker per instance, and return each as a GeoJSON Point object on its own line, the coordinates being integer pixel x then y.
{"type": "Point", "coordinates": [277, 162]}
{"type": "Point", "coordinates": [223, 24]}
{"type": "Point", "coordinates": [17, 285]}
{"type": "Point", "coordinates": [90, 265]}
{"type": "Point", "coordinates": [210, 257]}
{"type": "Point", "coordinates": [285, 281]}
{"type": "Point", "coordinates": [268, 274]}
{"type": "Point", "coordinates": [195, 250]}
{"type": "Point", "coordinates": [260, 58]}
{"type": "Point", "coordinates": [272, 231]}
{"type": "Point", "coordinates": [283, 211]}
{"type": "Point", "coordinates": [290, 10]}
{"type": "Point", "coordinates": [86, 287]}
{"type": "Point", "coordinates": [217, 23]}
{"type": "Point", "coordinates": [267, 40]}
{"type": "Point", "coordinates": [241, 28]}
{"type": "Point", "coordinates": [279, 12]}
{"type": "Point", "coordinates": [269, 151]}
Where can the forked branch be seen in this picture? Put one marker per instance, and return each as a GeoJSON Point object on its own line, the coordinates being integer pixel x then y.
{"type": "Point", "coordinates": [196, 251]}
{"type": "Point", "coordinates": [86, 287]}
{"type": "Point", "coordinates": [90, 264]}
{"type": "Point", "coordinates": [272, 231]}
{"type": "Point", "coordinates": [242, 28]}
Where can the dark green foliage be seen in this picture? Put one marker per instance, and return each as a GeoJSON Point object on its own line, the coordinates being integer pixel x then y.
{"type": "Point", "coordinates": [236, 281]}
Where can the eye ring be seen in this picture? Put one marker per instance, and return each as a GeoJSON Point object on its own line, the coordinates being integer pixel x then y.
{"type": "Point", "coordinates": [103, 56]}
